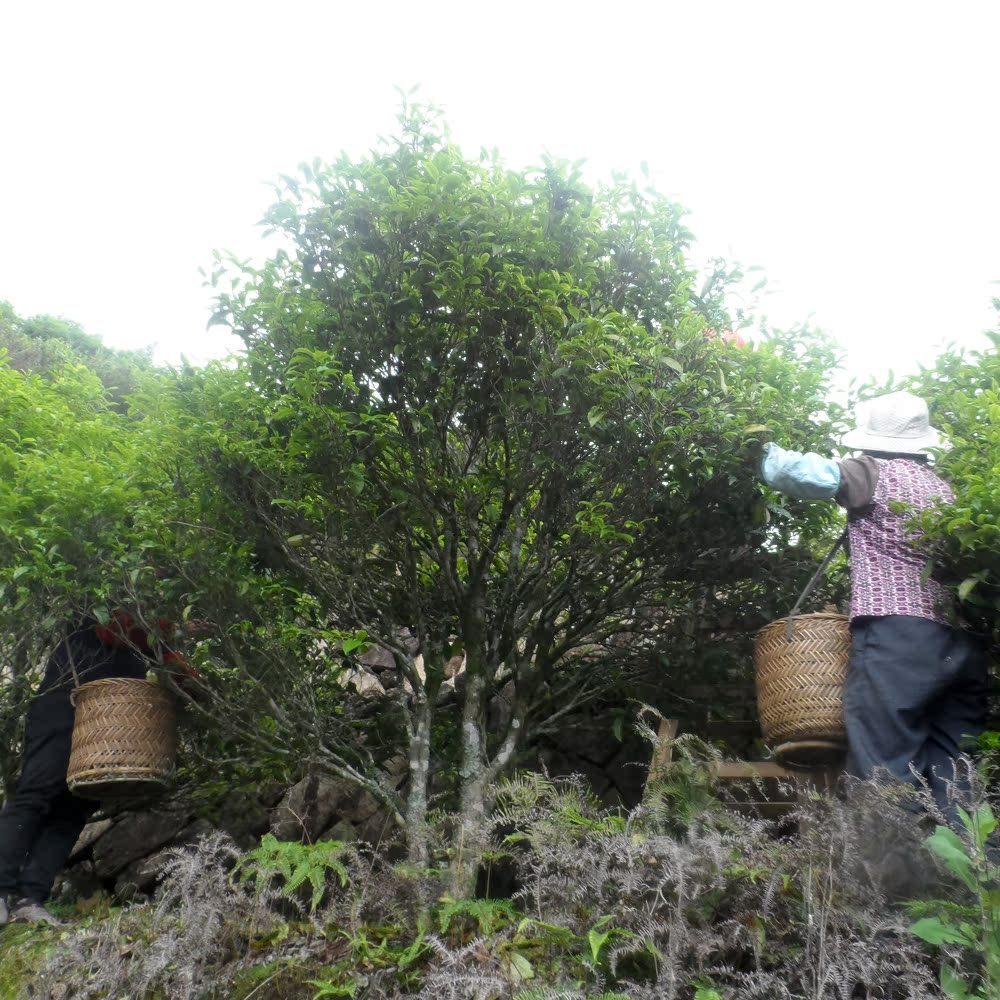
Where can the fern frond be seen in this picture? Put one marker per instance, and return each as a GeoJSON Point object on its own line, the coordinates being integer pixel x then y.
{"type": "Point", "coordinates": [489, 914]}
{"type": "Point", "coordinates": [295, 864]}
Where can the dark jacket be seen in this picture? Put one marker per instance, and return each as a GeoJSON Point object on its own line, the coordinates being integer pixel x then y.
{"type": "Point", "coordinates": [84, 656]}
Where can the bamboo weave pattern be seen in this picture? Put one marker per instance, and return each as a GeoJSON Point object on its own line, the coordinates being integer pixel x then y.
{"type": "Point", "coordinates": [124, 738]}
{"type": "Point", "coordinates": [800, 684]}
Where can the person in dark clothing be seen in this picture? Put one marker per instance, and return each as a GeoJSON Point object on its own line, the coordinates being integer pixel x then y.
{"type": "Point", "coordinates": [40, 823]}
{"type": "Point", "coordinates": [917, 687]}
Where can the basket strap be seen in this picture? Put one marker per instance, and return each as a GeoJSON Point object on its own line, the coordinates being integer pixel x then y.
{"type": "Point", "coordinates": [823, 567]}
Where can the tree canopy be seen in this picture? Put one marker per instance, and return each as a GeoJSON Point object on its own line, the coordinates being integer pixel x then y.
{"type": "Point", "coordinates": [44, 344]}
{"type": "Point", "coordinates": [491, 409]}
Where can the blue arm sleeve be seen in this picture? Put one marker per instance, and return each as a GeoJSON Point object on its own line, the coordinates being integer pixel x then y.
{"type": "Point", "coordinates": [803, 476]}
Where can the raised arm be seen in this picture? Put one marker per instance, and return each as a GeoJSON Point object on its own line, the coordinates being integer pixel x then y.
{"type": "Point", "coordinates": [804, 476]}
{"type": "Point", "coordinates": [808, 476]}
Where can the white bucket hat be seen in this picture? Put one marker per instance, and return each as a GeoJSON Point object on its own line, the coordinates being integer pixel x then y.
{"type": "Point", "coordinates": [897, 423]}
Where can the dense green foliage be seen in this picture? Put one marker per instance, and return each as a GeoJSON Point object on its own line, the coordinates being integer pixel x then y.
{"type": "Point", "coordinates": [74, 474]}
{"type": "Point", "coordinates": [44, 344]}
{"type": "Point", "coordinates": [964, 395]}
{"type": "Point", "coordinates": [70, 480]}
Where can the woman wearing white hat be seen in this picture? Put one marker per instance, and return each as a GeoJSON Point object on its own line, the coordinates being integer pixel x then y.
{"type": "Point", "coordinates": [917, 687]}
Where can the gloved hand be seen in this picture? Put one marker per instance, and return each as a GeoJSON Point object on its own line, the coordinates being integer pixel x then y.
{"type": "Point", "coordinates": [803, 476]}
{"type": "Point", "coordinates": [179, 667]}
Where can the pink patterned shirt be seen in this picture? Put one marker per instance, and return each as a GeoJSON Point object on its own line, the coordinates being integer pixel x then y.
{"type": "Point", "coordinates": [885, 565]}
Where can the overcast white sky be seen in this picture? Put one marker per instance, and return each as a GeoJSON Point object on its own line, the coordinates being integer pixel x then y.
{"type": "Point", "coordinates": [849, 148]}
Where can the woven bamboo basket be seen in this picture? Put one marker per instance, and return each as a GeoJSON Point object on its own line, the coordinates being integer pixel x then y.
{"type": "Point", "coordinates": [124, 739]}
{"type": "Point", "coordinates": [800, 686]}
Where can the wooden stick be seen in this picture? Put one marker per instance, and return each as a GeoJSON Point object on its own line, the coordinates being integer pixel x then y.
{"type": "Point", "coordinates": [663, 755]}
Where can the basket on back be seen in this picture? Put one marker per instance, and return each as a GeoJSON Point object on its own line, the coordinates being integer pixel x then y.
{"type": "Point", "coordinates": [800, 686]}
{"type": "Point", "coordinates": [124, 739]}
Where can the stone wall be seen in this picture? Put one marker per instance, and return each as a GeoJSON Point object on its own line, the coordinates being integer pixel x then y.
{"type": "Point", "coordinates": [125, 853]}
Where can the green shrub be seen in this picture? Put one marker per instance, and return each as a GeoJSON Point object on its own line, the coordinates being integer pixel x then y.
{"type": "Point", "coordinates": [972, 926]}
{"type": "Point", "coordinates": [964, 537]}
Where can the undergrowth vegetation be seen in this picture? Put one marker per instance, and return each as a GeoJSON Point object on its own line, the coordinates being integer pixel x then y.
{"type": "Point", "coordinates": [855, 900]}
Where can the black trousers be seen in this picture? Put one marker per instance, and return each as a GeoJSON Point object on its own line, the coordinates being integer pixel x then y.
{"type": "Point", "coordinates": [40, 823]}
{"type": "Point", "coordinates": [916, 693]}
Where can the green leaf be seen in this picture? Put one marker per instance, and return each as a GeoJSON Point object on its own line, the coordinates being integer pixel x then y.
{"type": "Point", "coordinates": [520, 968]}
{"type": "Point", "coordinates": [953, 986]}
{"type": "Point", "coordinates": [595, 415]}
{"type": "Point", "coordinates": [966, 587]}
{"type": "Point", "coordinates": [324, 988]}
{"type": "Point", "coordinates": [707, 993]}
{"type": "Point", "coordinates": [597, 939]}
{"type": "Point", "coordinates": [945, 843]}
{"type": "Point", "coordinates": [934, 931]}
{"type": "Point", "coordinates": [618, 726]}
{"type": "Point", "coordinates": [755, 429]}
{"type": "Point", "coordinates": [985, 823]}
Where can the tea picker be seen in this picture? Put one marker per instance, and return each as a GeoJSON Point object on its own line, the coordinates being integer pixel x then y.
{"type": "Point", "coordinates": [96, 729]}
{"type": "Point", "coordinates": [916, 687]}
